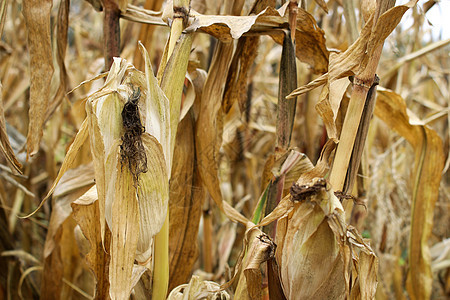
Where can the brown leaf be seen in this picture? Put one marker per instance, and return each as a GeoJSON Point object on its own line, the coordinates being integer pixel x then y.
{"type": "Point", "coordinates": [287, 83]}
{"type": "Point", "coordinates": [5, 146]}
{"type": "Point", "coordinates": [62, 26]}
{"type": "Point", "coordinates": [322, 5]}
{"type": "Point", "coordinates": [310, 44]}
{"type": "Point", "coordinates": [260, 248]}
{"type": "Point", "coordinates": [310, 40]}
{"type": "Point", "coordinates": [69, 159]}
{"type": "Point", "coordinates": [209, 127]}
{"type": "Point", "coordinates": [237, 81]}
{"type": "Point", "coordinates": [37, 17]}
{"type": "Point", "coordinates": [355, 59]}
{"type": "Point", "coordinates": [425, 178]}
{"type": "Point", "coordinates": [87, 215]}
{"type": "Point", "coordinates": [186, 199]}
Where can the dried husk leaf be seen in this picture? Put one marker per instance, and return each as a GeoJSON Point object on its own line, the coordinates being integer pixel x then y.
{"type": "Point", "coordinates": [98, 157]}
{"type": "Point", "coordinates": [319, 256]}
{"type": "Point", "coordinates": [105, 129]}
{"type": "Point", "coordinates": [153, 196]}
{"type": "Point", "coordinates": [157, 109]}
{"type": "Point", "coordinates": [310, 262]}
{"type": "Point", "coordinates": [124, 240]}
{"type": "Point", "coordinates": [37, 18]}
{"type": "Point", "coordinates": [425, 178]}
{"type": "Point", "coordinates": [148, 191]}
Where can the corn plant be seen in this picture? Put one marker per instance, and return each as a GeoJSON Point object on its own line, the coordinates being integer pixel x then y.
{"type": "Point", "coordinates": [223, 150]}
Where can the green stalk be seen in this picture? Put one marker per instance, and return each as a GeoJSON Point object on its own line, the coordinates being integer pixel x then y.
{"type": "Point", "coordinates": [161, 259]}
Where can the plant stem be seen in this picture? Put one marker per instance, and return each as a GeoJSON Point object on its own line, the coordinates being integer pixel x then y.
{"type": "Point", "coordinates": [111, 32]}
{"type": "Point", "coordinates": [161, 265]}
{"type": "Point", "coordinates": [362, 83]}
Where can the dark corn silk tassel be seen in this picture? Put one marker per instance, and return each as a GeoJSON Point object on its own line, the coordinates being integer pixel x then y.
{"type": "Point", "coordinates": [132, 150]}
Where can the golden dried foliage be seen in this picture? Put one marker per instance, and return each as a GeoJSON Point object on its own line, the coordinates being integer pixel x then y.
{"type": "Point", "coordinates": [183, 153]}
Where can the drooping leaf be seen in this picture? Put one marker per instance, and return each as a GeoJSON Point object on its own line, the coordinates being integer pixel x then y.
{"type": "Point", "coordinates": [425, 178]}
{"type": "Point", "coordinates": [5, 146]}
{"type": "Point", "coordinates": [37, 17]}
{"type": "Point", "coordinates": [186, 199]}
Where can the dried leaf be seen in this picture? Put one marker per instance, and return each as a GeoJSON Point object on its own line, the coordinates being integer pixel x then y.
{"type": "Point", "coordinates": [355, 59]}
{"type": "Point", "coordinates": [425, 178]}
{"type": "Point", "coordinates": [322, 5]}
{"type": "Point", "coordinates": [37, 17]}
{"type": "Point", "coordinates": [198, 289]}
{"type": "Point", "coordinates": [5, 146]}
{"type": "Point", "coordinates": [310, 41]}
{"type": "Point", "coordinates": [186, 199]}
{"type": "Point", "coordinates": [260, 248]}
{"type": "Point", "coordinates": [62, 26]}
{"type": "Point", "coordinates": [208, 129]}
{"type": "Point", "coordinates": [80, 138]}
{"type": "Point", "coordinates": [157, 109]}
{"type": "Point", "coordinates": [287, 83]}
{"type": "Point", "coordinates": [87, 215]}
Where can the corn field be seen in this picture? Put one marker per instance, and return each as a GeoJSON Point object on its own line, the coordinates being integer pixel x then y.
{"type": "Point", "coordinates": [233, 149]}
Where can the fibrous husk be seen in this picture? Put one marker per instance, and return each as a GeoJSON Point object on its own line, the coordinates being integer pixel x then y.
{"type": "Point", "coordinates": [320, 257]}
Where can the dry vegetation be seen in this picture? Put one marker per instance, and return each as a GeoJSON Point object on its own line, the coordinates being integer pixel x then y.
{"type": "Point", "coordinates": [222, 150]}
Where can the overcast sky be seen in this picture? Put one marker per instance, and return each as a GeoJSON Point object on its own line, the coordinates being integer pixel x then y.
{"type": "Point", "coordinates": [438, 16]}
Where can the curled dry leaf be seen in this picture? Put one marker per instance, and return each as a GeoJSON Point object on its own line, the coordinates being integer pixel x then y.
{"type": "Point", "coordinates": [260, 248]}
